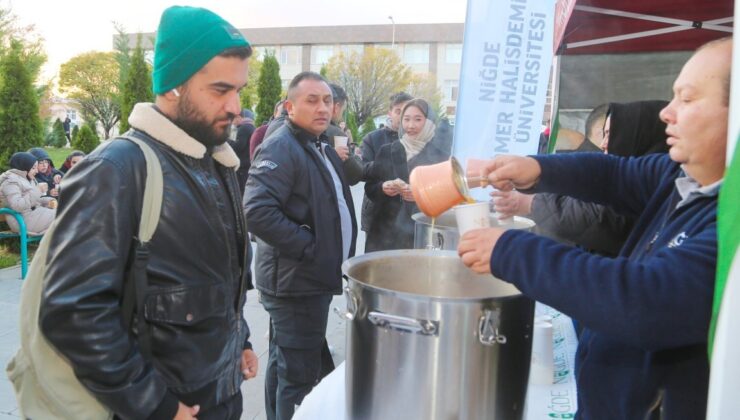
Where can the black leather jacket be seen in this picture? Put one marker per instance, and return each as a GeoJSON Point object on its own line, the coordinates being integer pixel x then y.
{"type": "Point", "coordinates": [193, 307]}
{"type": "Point", "coordinates": [291, 206]}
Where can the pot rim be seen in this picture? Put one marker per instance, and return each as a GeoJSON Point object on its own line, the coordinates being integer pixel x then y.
{"type": "Point", "coordinates": [348, 264]}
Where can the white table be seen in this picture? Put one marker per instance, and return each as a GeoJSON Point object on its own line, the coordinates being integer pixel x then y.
{"type": "Point", "coordinates": [558, 400]}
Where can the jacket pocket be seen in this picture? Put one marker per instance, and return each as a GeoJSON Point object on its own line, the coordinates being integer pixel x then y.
{"type": "Point", "coordinates": [194, 324]}
{"type": "Point", "coordinates": [186, 305]}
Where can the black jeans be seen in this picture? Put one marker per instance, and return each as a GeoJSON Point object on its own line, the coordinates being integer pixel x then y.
{"type": "Point", "coordinates": [299, 355]}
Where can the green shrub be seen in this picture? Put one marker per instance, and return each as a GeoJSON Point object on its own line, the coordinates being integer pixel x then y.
{"type": "Point", "coordinates": [87, 140]}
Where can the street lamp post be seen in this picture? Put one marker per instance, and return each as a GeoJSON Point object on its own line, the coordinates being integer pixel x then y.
{"type": "Point", "coordinates": [393, 38]}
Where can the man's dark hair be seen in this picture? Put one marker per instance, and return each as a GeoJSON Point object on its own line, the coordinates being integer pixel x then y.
{"type": "Point", "coordinates": [241, 52]}
{"type": "Point", "coordinates": [304, 75]}
{"type": "Point", "coordinates": [595, 115]}
{"type": "Point", "coordinates": [337, 93]}
{"type": "Point", "coordinates": [399, 98]}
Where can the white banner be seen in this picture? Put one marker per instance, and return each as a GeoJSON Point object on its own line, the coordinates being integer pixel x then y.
{"type": "Point", "coordinates": [507, 53]}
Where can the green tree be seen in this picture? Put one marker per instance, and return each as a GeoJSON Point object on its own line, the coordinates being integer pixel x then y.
{"type": "Point", "coordinates": [248, 96]}
{"type": "Point", "coordinates": [123, 52]}
{"type": "Point", "coordinates": [367, 127]}
{"type": "Point", "coordinates": [352, 125]}
{"type": "Point", "coordinates": [137, 87]}
{"type": "Point", "coordinates": [369, 79]}
{"type": "Point", "coordinates": [31, 44]}
{"type": "Point", "coordinates": [424, 85]}
{"type": "Point", "coordinates": [58, 138]}
{"type": "Point", "coordinates": [268, 88]}
{"type": "Point", "coordinates": [92, 79]}
{"type": "Point", "coordinates": [73, 135]}
{"type": "Point", "coordinates": [20, 125]}
{"type": "Point", "coordinates": [87, 140]}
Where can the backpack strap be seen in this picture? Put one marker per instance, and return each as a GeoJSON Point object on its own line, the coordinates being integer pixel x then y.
{"type": "Point", "coordinates": [153, 191]}
{"type": "Point", "coordinates": [136, 281]}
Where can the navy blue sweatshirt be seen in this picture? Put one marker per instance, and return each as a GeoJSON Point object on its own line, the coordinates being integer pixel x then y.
{"type": "Point", "coordinates": [646, 313]}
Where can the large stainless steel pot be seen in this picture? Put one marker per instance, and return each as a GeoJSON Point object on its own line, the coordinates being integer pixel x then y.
{"type": "Point", "coordinates": [445, 235]}
{"type": "Point", "coordinates": [429, 339]}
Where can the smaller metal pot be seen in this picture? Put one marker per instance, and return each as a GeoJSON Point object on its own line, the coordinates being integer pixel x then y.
{"type": "Point", "coordinates": [445, 235]}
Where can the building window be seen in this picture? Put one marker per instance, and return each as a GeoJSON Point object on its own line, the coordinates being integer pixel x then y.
{"type": "Point", "coordinates": [348, 49]}
{"type": "Point", "coordinates": [416, 54]}
{"type": "Point", "coordinates": [290, 55]}
{"type": "Point", "coordinates": [451, 89]}
{"type": "Point", "coordinates": [453, 54]}
{"type": "Point", "coordinates": [320, 54]}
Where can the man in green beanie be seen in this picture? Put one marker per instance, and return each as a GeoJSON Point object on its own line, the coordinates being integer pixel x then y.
{"type": "Point", "coordinates": [187, 350]}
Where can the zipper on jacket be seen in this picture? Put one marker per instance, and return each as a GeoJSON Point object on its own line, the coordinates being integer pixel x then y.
{"type": "Point", "coordinates": [673, 201]}
{"type": "Point", "coordinates": [325, 159]}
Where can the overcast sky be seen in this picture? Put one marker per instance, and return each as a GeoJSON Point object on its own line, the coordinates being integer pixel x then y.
{"type": "Point", "coordinates": [70, 27]}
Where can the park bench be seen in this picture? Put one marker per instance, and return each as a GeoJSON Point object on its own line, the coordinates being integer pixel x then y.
{"type": "Point", "coordinates": [22, 235]}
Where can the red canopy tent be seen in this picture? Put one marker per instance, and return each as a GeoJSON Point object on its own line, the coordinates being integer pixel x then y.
{"type": "Point", "coordinates": [603, 27]}
{"type": "Point", "coordinates": [628, 26]}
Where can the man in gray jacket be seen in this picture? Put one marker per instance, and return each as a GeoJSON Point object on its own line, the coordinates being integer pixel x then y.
{"type": "Point", "coordinates": [299, 207]}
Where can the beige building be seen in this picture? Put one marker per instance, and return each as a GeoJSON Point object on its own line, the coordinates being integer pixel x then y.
{"type": "Point", "coordinates": [434, 48]}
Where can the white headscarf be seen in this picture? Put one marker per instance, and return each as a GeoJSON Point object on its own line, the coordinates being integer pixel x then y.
{"type": "Point", "coordinates": [414, 144]}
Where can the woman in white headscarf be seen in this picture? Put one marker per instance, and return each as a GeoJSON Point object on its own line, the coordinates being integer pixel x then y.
{"type": "Point", "coordinates": [422, 143]}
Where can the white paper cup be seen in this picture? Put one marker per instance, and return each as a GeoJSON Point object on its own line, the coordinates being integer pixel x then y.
{"type": "Point", "coordinates": [472, 216]}
{"type": "Point", "coordinates": [340, 141]}
{"type": "Point", "coordinates": [541, 370]}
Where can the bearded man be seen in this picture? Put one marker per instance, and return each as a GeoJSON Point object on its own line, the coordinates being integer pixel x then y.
{"type": "Point", "coordinates": [187, 349]}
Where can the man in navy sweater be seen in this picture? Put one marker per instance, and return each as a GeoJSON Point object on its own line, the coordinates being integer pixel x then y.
{"type": "Point", "coordinates": [646, 313]}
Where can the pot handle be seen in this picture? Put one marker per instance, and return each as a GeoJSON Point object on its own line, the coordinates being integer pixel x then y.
{"type": "Point", "coordinates": [488, 328]}
{"type": "Point", "coordinates": [404, 324]}
{"type": "Point", "coordinates": [351, 311]}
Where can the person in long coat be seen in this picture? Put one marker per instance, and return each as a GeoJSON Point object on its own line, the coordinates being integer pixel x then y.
{"type": "Point", "coordinates": [20, 192]}
{"type": "Point", "coordinates": [422, 143]}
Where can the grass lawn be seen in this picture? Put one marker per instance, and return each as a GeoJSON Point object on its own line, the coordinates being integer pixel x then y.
{"type": "Point", "coordinates": [10, 252]}
{"type": "Point", "coordinates": [58, 155]}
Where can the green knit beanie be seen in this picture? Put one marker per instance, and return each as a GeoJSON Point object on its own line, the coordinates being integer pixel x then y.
{"type": "Point", "coordinates": [187, 39]}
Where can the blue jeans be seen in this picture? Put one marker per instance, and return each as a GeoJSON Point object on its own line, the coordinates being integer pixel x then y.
{"type": "Point", "coordinates": [299, 354]}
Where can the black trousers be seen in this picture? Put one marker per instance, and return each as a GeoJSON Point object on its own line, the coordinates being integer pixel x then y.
{"type": "Point", "coordinates": [230, 409]}
{"type": "Point", "coordinates": [299, 354]}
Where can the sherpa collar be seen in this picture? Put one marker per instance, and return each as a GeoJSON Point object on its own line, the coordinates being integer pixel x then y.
{"type": "Point", "coordinates": [146, 118]}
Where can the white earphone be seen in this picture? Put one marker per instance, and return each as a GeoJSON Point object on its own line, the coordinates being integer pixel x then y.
{"type": "Point", "coordinates": [176, 92]}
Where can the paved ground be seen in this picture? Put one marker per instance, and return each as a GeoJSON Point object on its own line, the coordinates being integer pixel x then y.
{"type": "Point", "coordinates": [10, 286]}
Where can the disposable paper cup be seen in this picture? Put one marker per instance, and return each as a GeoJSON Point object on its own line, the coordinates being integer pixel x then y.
{"type": "Point", "coordinates": [472, 216]}
{"type": "Point", "coordinates": [340, 141]}
{"type": "Point", "coordinates": [541, 371]}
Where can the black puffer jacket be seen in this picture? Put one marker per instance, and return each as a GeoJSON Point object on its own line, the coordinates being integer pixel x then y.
{"type": "Point", "coordinates": [291, 206]}
{"type": "Point", "coordinates": [198, 274]}
{"type": "Point", "coordinates": [393, 227]}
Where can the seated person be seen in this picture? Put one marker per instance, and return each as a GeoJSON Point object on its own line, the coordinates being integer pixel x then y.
{"type": "Point", "coordinates": [47, 173]}
{"type": "Point", "coordinates": [20, 192]}
{"type": "Point", "coordinates": [72, 159]}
